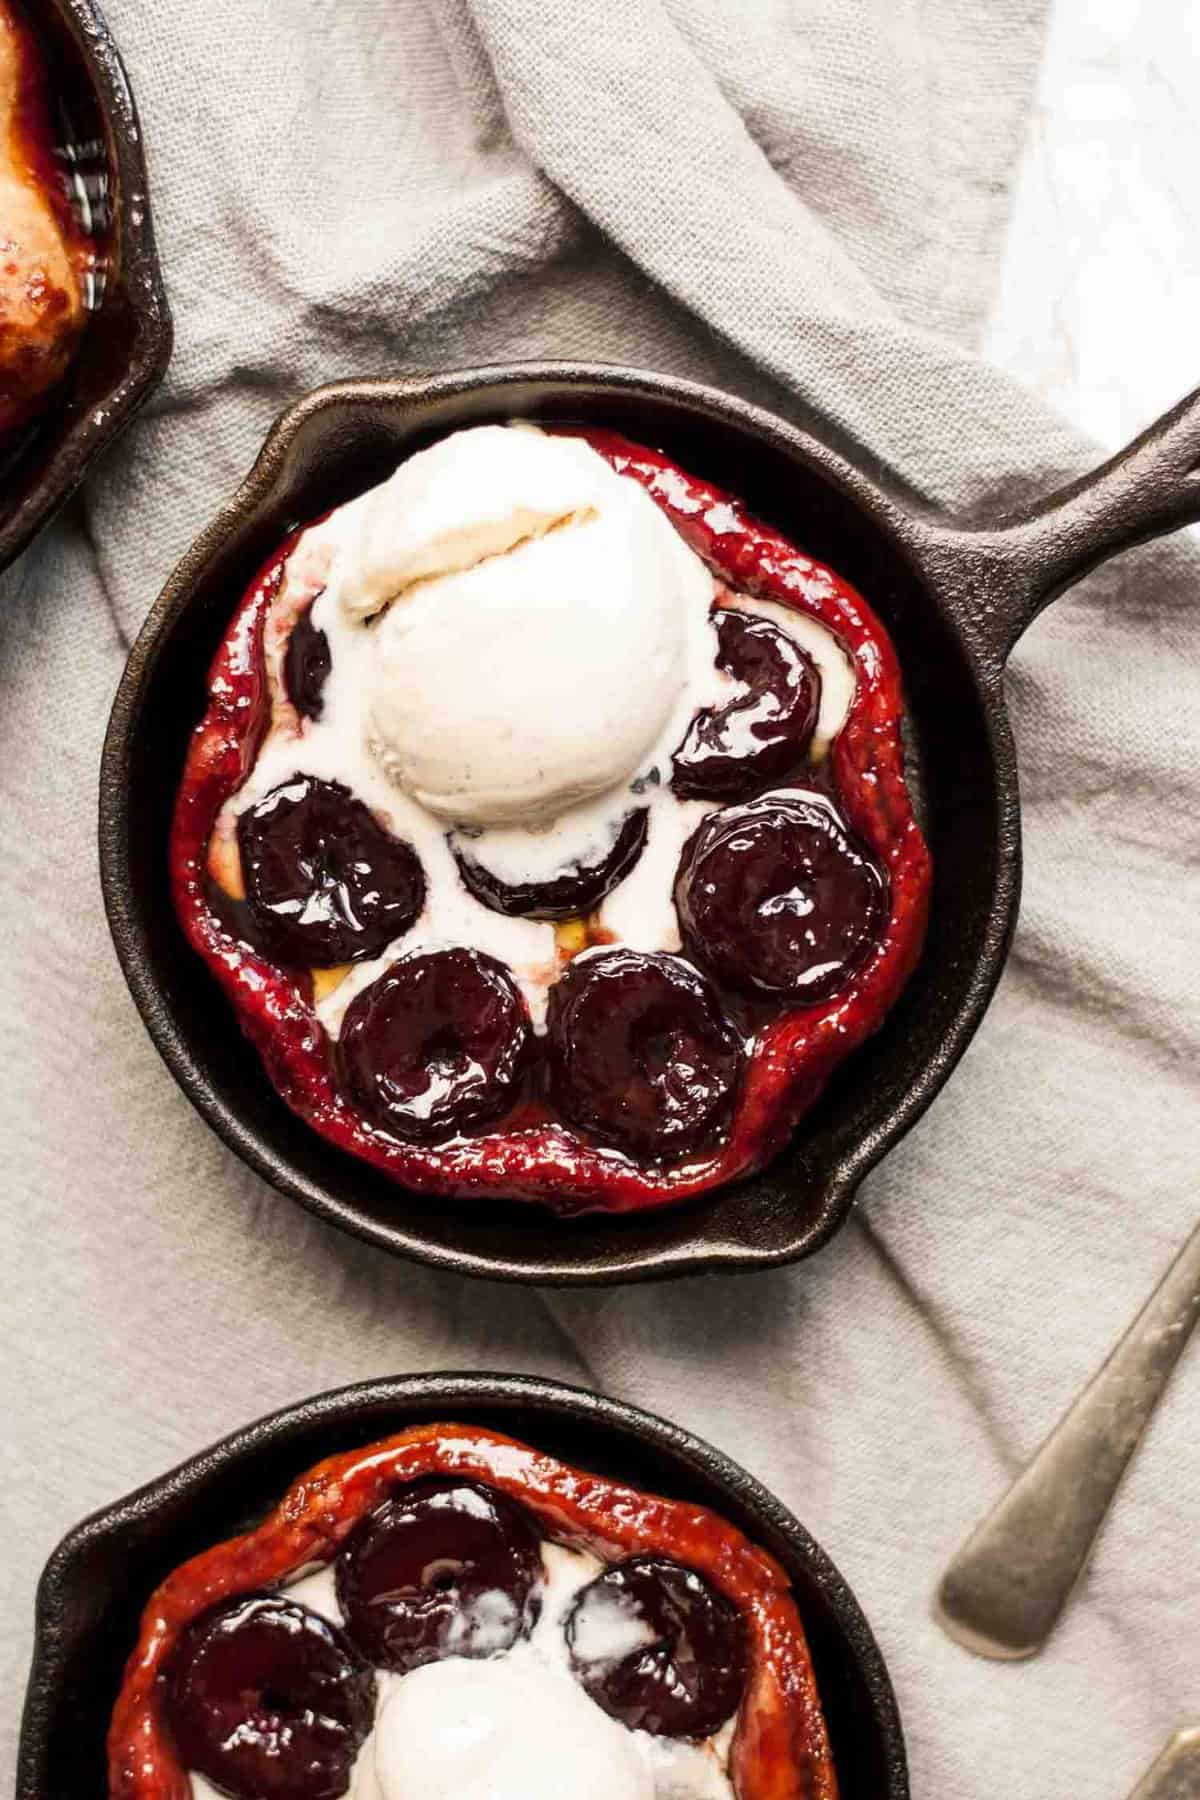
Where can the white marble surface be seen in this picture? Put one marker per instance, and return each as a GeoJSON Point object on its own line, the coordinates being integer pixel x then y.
{"type": "Point", "coordinates": [1099, 302]}
{"type": "Point", "coordinates": [1099, 297]}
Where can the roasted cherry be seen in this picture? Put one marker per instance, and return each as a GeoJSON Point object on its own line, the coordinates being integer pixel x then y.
{"type": "Point", "coordinates": [325, 883]}
{"type": "Point", "coordinates": [306, 665]}
{"type": "Point", "coordinates": [658, 1648]}
{"type": "Point", "coordinates": [265, 1698]}
{"type": "Point", "coordinates": [438, 1044]}
{"type": "Point", "coordinates": [444, 1568]}
{"type": "Point", "coordinates": [576, 889]}
{"type": "Point", "coordinates": [640, 1053]}
{"type": "Point", "coordinates": [779, 897]}
{"type": "Point", "coordinates": [731, 751]}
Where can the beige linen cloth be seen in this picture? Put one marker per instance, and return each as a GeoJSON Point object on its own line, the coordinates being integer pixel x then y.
{"type": "Point", "coordinates": [802, 200]}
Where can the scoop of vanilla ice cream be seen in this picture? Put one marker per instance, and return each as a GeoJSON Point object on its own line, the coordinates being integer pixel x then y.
{"type": "Point", "coordinates": [509, 1729]}
{"type": "Point", "coordinates": [530, 613]}
{"type": "Point", "coordinates": [476, 493]}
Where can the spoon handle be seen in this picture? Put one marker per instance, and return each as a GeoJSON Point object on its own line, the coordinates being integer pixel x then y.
{"type": "Point", "coordinates": [1176, 1774]}
{"type": "Point", "coordinates": [1004, 1591]}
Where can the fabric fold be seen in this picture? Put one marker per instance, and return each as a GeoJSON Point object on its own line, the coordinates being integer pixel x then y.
{"type": "Point", "coordinates": [802, 201]}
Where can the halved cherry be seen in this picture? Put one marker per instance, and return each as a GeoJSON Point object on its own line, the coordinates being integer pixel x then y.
{"type": "Point", "coordinates": [640, 1053]}
{"type": "Point", "coordinates": [437, 1045]}
{"type": "Point", "coordinates": [325, 883]}
{"type": "Point", "coordinates": [265, 1698]}
{"type": "Point", "coordinates": [446, 1567]}
{"type": "Point", "coordinates": [658, 1648]}
{"type": "Point", "coordinates": [779, 897]}
{"type": "Point", "coordinates": [576, 889]}
{"type": "Point", "coordinates": [306, 665]}
{"type": "Point", "coordinates": [731, 751]}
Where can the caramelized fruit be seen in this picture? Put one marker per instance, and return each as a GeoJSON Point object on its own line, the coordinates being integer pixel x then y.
{"type": "Point", "coordinates": [687, 1674]}
{"type": "Point", "coordinates": [306, 665]}
{"type": "Point", "coordinates": [444, 1568]}
{"type": "Point", "coordinates": [779, 897]}
{"type": "Point", "coordinates": [325, 883]}
{"type": "Point", "coordinates": [576, 889]}
{"type": "Point", "coordinates": [640, 1054]}
{"type": "Point", "coordinates": [731, 751]}
{"type": "Point", "coordinates": [436, 1045]}
{"type": "Point", "coordinates": [266, 1698]}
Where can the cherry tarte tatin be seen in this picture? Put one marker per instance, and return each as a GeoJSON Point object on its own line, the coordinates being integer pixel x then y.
{"type": "Point", "coordinates": [793, 904]}
{"type": "Point", "coordinates": [443, 1543]}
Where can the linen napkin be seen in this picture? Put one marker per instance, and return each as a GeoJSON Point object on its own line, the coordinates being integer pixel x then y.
{"type": "Point", "coordinates": [804, 201]}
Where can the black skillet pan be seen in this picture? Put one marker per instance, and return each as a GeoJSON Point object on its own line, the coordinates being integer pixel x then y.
{"type": "Point", "coordinates": [127, 341]}
{"type": "Point", "coordinates": [95, 1585]}
{"type": "Point", "coordinates": [955, 601]}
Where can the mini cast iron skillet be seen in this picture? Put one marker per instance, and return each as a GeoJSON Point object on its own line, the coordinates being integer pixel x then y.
{"type": "Point", "coordinates": [98, 1580]}
{"type": "Point", "coordinates": [955, 601]}
{"type": "Point", "coordinates": [126, 342]}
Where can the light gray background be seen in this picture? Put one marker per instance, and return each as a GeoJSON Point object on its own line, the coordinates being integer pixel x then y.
{"type": "Point", "coordinates": [805, 201]}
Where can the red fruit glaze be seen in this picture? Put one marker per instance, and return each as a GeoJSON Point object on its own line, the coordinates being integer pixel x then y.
{"type": "Point", "coordinates": [792, 1056]}
{"type": "Point", "coordinates": [780, 1747]}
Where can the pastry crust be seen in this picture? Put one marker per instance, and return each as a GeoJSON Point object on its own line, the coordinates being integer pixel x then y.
{"type": "Point", "coordinates": [43, 255]}
{"type": "Point", "coordinates": [780, 1747]}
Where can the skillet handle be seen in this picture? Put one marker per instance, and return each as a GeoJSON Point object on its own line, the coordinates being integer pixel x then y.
{"type": "Point", "coordinates": [1147, 489]}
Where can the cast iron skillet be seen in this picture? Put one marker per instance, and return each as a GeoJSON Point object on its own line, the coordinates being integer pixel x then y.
{"type": "Point", "coordinates": [955, 601]}
{"type": "Point", "coordinates": [95, 1585]}
{"type": "Point", "coordinates": [127, 340]}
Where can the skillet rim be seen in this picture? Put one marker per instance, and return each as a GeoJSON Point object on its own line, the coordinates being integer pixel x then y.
{"type": "Point", "coordinates": [75, 437]}
{"type": "Point", "coordinates": [915, 534]}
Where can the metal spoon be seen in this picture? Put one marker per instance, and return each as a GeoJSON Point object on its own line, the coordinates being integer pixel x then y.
{"type": "Point", "coordinates": [1176, 1774]}
{"type": "Point", "coordinates": [1004, 1591]}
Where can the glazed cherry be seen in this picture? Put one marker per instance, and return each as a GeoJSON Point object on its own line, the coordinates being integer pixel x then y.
{"type": "Point", "coordinates": [325, 883]}
{"type": "Point", "coordinates": [731, 751]}
{"type": "Point", "coordinates": [779, 897]}
{"type": "Point", "coordinates": [264, 1697]}
{"type": "Point", "coordinates": [437, 1045]}
{"type": "Point", "coordinates": [640, 1054]}
{"type": "Point", "coordinates": [658, 1648]}
{"type": "Point", "coordinates": [444, 1568]}
{"type": "Point", "coordinates": [306, 665]}
{"type": "Point", "coordinates": [577, 889]}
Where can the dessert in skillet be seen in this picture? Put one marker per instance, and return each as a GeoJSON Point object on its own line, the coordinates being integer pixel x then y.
{"type": "Point", "coordinates": [44, 256]}
{"type": "Point", "coordinates": [547, 826]}
{"type": "Point", "coordinates": [450, 1615]}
